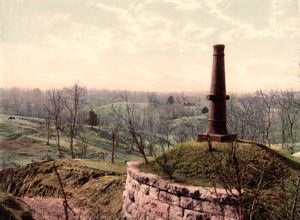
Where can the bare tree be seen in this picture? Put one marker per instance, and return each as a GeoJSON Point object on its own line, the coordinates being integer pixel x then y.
{"type": "Point", "coordinates": [75, 99]}
{"type": "Point", "coordinates": [55, 106]}
{"type": "Point", "coordinates": [132, 120]}
{"type": "Point", "coordinates": [268, 104]}
{"type": "Point", "coordinates": [288, 115]}
{"type": "Point", "coordinates": [16, 100]}
{"type": "Point", "coordinates": [116, 120]}
{"type": "Point", "coordinates": [153, 99]}
{"type": "Point", "coordinates": [82, 133]}
{"type": "Point", "coordinates": [48, 130]}
{"type": "Point", "coordinates": [164, 128]}
{"type": "Point", "coordinates": [113, 150]}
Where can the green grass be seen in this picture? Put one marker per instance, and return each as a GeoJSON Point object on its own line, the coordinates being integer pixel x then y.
{"type": "Point", "coordinates": [192, 162]}
{"type": "Point", "coordinates": [23, 140]}
{"type": "Point", "coordinates": [119, 167]}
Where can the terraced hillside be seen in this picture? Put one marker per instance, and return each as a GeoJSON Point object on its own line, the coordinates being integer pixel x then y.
{"type": "Point", "coordinates": [23, 140]}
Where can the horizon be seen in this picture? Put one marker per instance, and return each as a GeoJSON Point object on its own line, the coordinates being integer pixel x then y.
{"type": "Point", "coordinates": [204, 92]}
{"type": "Point", "coordinates": [151, 46]}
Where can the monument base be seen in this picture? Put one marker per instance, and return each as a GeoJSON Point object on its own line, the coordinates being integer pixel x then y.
{"type": "Point", "coordinates": [217, 137]}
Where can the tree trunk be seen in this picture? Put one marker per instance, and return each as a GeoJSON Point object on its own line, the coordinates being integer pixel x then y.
{"type": "Point", "coordinates": [48, 131]}
{"type": "Point", "coordinates": [145, 158]}
{"type": "Point", "coordinates": [71, 146]}
{"type": "Point", "coordinates": [58, 143]}
{"type": "Point", "coordinates": [113, 148]}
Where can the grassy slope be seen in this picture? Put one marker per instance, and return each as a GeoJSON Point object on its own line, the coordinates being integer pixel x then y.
{"type": "Point", "coordinates": [23, 140]}
{"type": "Point", "coordinates": [94, 185]}
{"type": "Point", "coordinates": [194, 164]}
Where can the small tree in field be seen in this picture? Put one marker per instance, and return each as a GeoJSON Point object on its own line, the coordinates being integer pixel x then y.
{"type": "Point", "coordinates": [75, 99]}
{"type": "Point", "coordinates": [170, 100]}
{"type": "Point", "coordinates": [204, 110]}
{"type": "Point", "coordinates": [55, 107]}
{"type": "Point", "coordinates": [93, 118]}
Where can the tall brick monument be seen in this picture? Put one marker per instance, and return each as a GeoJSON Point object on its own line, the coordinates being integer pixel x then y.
{"type": "Point", "coordinates": [217, 130]}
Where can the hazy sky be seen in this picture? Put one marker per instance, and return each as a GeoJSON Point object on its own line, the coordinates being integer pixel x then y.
{"type": "Point", "coordinates": [156, 45]}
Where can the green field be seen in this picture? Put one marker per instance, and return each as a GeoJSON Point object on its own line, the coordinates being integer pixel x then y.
{"type": "Point", "coordinates": [23, 140]}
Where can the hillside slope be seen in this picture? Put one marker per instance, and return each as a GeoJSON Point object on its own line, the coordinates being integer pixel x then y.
{"type": "Point", "coordinates": [96, 191]}
{"type": "Point", "coordinates": [23, 140]}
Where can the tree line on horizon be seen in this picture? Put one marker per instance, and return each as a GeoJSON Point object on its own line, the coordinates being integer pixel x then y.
{"type": "Point", "coordinates": [151, 119]}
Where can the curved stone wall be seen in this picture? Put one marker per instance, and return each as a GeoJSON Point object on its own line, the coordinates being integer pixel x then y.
{"type": "Point", "coordinates": [147, 196]}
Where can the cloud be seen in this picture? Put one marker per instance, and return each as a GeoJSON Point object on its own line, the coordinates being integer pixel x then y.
{"type": "Point", "coordinates": [262, 74]}
{"type": "Point", "coordinates": [283, 22]}
{"type": "Point", "coordinates": [148, 44]}
{"type": "Point", "coordinates": [186, 5]}
{"type": "Point", "coordinates": [107, 7]}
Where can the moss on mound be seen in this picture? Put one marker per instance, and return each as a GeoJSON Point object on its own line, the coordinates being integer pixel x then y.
{"type": "Point", "coordinates": [266, 179]}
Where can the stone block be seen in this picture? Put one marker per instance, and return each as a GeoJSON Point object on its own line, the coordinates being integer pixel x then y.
{"type": "Point", "coordinates": [128, 179]}
{"type": "Point", "coordinates": [218, 217]}
{"type": "Point", "coordinates": [144, 190]}
{"type": "Point", "coordinates": [141, 194]}
{"type": "Point", "coordinates": [212, 208]}
{"type": "Point", "coordinates": [145, 203]}
{"type": "Point", "coordinates": [141, 214]}
{"type": "Point", "coordinates": [178, 189]}
{"type": "Point", "coordinates": [131, 195]}
{"type": "Point", "coordinates": [186, 202]}
{"type": "Point", "coordinates": [135, 184]}
{"type": "Point", "coordinates": [150, 216]}
{"type": "Point", "coordinates": [197, 205]}
{"type": "Point", "coordinates": [192, 215]}
{"type": "Point", "coordinates": [175, 212]}
{"type": "Point", "coordinates": [124, 195]}
{"type": "Point", "coordinates": [158, 183]}
{"type": "Point", "coordinates": [231, 211]}
{"type": "Point", "coordinates": [168, 198]}
{"type": "Point", "coordinates": [160, 209]}
{"type": "Point", "coordinates": [126, 216]}
{"type": "Point", "coordinates": [131, 209]}
{"type": "Point", "coordinates": [153, 192]}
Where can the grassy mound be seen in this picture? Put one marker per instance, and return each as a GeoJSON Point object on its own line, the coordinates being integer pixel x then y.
{"type": "Point", "coordinates": [265, 179]}
{"type": "Point", "coordinates": [193, 163]}
{"type": "Point", "coordinates": [94, 185]}
{"type": "Point", "coordinates": [13, 209]}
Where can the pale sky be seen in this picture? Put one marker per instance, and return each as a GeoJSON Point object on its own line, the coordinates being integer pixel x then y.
{"type": "Point", "coordinates": [150, 45]}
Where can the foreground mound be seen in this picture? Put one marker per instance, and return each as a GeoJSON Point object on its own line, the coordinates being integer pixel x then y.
{"type": "Point", "coordinates": [13, 209]}
{"type": "Point", "coordinates": [266, 182]}
{"type": "Point", "coordinates": [94, 186]}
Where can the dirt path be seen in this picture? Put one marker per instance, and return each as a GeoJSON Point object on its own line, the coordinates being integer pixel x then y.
{"type": "Point", "coordinates": [47, 208]}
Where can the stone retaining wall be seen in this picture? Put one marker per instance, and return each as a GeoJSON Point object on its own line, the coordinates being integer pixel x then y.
{"type": "Point", "coordinates": [147, 196]}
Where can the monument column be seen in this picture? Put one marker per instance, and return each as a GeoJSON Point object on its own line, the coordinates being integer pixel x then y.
{"type": "Point", "coordinates": [217, 129]}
